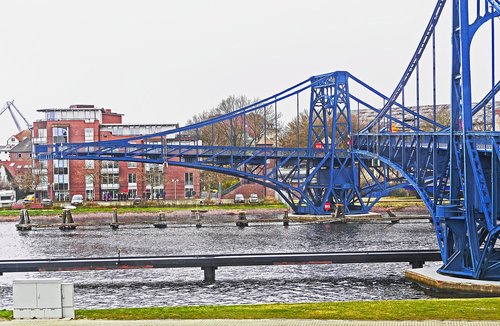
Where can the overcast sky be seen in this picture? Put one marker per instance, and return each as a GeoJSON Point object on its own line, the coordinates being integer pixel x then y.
{"type": "Point", "coordinates": [163, 61]}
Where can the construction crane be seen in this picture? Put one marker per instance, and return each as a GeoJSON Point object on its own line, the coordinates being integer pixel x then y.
{"type": "Point", "coordinates": [9, 105]}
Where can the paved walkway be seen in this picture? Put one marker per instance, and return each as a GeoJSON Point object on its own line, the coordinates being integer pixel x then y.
{"type": "Point", "coordinates": [429, 277]}
{"type": "Point", "coordinates": [254, 322]}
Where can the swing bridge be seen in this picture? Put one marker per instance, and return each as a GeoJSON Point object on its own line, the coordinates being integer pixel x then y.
{"type": "Point", "coordinates": [454, 165]}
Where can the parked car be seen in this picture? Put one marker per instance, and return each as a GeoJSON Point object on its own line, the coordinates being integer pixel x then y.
{"type": "Point", "coordinates": [29, 199]}
{"type": "Point", "coordinates": [77, 200]}
{"type": "Point", "coordinates": [253, 199]}
{"type": "Point", "coordinates": [238, 198]}
{"type": "Point", "coordinates": [46, 202]}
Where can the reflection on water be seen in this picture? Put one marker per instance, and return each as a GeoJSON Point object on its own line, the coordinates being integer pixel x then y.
{"type": "Point", "coordinates": [235, 285]}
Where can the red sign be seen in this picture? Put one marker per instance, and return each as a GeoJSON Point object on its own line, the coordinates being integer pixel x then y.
{"type": "Point", "coordinates": [318, 145]}
{"type": "Point", "coordinates": [327, 206]}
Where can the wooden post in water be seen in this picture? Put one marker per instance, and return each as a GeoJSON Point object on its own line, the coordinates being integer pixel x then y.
{"type": "Point", "coordinates": [67, 220]}
{"type": "Point", "coordinates": [114, 220]}
{"type": "Point", "coordinates": [161, 224]}
{"type": "Point", "coordinates": [242, 219]}
{"type": "Point", "coordinates": [24, 221]}
{"type": "Point", "coordinates": [339, 212]}
{"type": "Point", "coordinates": [286, 220]}
{"type": "Point", "coordinates": [197, 217]}
{"type": "Point", "coordinates": [393, 216]}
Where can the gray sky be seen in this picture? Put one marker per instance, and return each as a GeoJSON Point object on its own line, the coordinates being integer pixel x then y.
{"type": "Point", "coordinates": [163, 61]}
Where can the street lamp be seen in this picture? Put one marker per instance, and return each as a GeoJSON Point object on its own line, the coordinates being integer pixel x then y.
{"type": "Point", "coordinates": [174, 181]}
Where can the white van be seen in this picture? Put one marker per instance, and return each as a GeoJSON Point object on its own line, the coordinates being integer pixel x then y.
{"type": "Point", "coordinates": [77, 200]}
{"type": "Point", "coordinates": [7, 198]}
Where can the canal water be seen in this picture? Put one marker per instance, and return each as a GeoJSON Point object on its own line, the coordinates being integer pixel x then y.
{"type": "Point", "coordinates": [234, 285]}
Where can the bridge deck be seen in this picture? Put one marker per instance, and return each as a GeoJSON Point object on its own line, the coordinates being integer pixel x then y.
{"type": "Point", "coordinates": [210, 262]}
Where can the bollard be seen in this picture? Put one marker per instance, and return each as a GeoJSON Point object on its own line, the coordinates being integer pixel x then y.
{"type": "Point", "coordinates": [242, 219]}
{"type": "Point", "coordinates": [161, 224]}
{"type": "Point", "coordinates": [286, 220]}
{"type": "Point", "coordinates": [114, 220]}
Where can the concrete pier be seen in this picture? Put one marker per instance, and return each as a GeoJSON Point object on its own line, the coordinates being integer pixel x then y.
{"type": "Point", "coordinates": [209, 274]}
{"type": "Point", "coordinates": [429, 277]}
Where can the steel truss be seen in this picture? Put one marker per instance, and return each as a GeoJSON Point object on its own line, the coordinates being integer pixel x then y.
{"type": "Point", "coordinates": [454, 169]}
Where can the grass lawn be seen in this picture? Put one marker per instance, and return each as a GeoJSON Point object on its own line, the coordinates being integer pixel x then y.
{"type": "Point", "coordinates": [136, 209]}
{"type": "Point", "coordinates": [5, 314]}
{"type": "Point", "coordinates": [440, 309]}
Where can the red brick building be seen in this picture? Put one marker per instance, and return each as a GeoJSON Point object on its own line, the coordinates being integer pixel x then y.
{"type": "Point", "coordinates": [104, 180]}
{"type": "Point", "coordinates": [16, 160]}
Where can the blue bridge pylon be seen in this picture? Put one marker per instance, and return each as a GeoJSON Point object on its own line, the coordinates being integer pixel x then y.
{"type": "Point", "coordinates": [452, 163]}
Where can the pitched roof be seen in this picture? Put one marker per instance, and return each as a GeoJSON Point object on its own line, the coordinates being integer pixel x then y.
{"type": "Point", "coordinates": [23, 147]}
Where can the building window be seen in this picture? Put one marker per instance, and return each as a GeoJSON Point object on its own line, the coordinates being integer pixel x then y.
{"type": "Point", "coordinates": [132, 193]}
{"type": "Point", "coordinates": [89, 135]}
{"type": "Point", "coordinates": [189, 179]}
{"type": "Point", "coordinates": [18, 155]}
{"type": "Point", "coordinates": [109, 165]}
{"type": "Point", "coordinates": [189, 184]}
{"type": "Point", "coordinates": [42, 136]}
{"type": "Point", "coordinates": [131, 164]}
{"type": "Point", "coordinates": [89, 164]}
{"type": "Point", "coordinates": [89, 181]}
{"type": "Point", "coordinates": [132, 178]}
{"type": "Point", "coordinates": [61, 180]}
{"type": "Point", "coordinates": [110, 179]}
{"type": "Point", "coordinates": [89, 194]}
{"type": "Point", "coordinates": [60, 135]}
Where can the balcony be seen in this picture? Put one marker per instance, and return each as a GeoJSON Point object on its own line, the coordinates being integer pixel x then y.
{"type": "Point", "coordinates": [110, 170]}
{"type": "Point", "coordinates": [110, 186]}
{"type": "Point", "coordinates": [38, 141]}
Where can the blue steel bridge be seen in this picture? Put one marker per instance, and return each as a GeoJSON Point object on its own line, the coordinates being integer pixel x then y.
{"type": "Point", "coordinates": [452, 163]}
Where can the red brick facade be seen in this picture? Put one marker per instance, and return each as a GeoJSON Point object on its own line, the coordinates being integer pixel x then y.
{"type": "Point", "coordinates": [103, 180]}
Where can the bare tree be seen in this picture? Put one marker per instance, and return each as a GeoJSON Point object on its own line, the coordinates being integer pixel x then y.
{"type": "Point", "coordinates": [246, 130]}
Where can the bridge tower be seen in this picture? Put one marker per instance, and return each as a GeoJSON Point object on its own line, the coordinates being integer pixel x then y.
{"type": "Point", "coordinates": [471, 216]}
{"type": "Point", "coordinates": [333, 179]}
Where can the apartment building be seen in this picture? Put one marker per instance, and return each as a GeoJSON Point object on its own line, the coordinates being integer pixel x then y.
{"type": "Point", "coordinates": [104, 180]}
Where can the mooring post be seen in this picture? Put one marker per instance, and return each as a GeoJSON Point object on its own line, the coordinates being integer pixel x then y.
{"type": "Point", "coordinates": [64, 216]}
{"type": "Point", "coordinates": [21, 216]}
{"type": "Point", "coordinates": [242, 219]}
{"type": "Point", "coordinates": [209, 274]}
{"type": "Point", "coordinates": [393, 216]}
{"type": "Point", "coordinates": [114, 219]}
{"type": "Point", "coordinates": [69, 217]}
{"type": "Point", "coordinates": [286, 220]}
{"type": "Point", "coordinates": [24, 221]}
{"type": "Point", "coordinates": [197, 217]}
{"type": "Point", "coordinates": [161, 224]}
{"type": "Point", "coordinates": [339, 213]}
{"type": "Point", "coordinates": [67, 222]}
{"type": "Point", "coordinates": [27, 217]}
{"type": "Point", "coordinates": [417, 264]}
